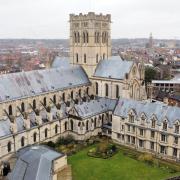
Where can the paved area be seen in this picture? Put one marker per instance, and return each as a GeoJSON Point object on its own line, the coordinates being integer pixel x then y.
{"type": "Point", "coordinates": [65, 174]}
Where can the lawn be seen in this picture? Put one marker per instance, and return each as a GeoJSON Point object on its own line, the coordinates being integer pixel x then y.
{"type": "Point", "coordinates": [118, 167]}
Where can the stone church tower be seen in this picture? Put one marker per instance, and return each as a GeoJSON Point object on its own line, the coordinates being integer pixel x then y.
{"type": "Point", "coordinates": [90, 40]}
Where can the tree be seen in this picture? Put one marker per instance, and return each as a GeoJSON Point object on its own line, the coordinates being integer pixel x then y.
{"type": "Point", "coordinates": [150, 74]}
{"type": "Point", "coordinates": [102, 147]}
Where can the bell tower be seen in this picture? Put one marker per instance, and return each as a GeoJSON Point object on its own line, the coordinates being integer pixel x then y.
{"type": "Point", "coordinates": [90, 40]}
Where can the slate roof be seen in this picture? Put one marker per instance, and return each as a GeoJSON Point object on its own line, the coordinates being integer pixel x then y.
{"type": "Point", "coordinates": [5, 123]}
{"type": "Point", "coordinates": [113, 68]}
{"type": "Point", "coordinates": [93, 107]}
{"type": "Point", "coordinates": [161, 111]}
{"type": "Point", "coordinates": [26, 84]}
{"type": "Point", "coordinates": [61, 62]}
{"type": "Point", "coordinates": [34, 163]}
{"type": "Point", "coordinates": [5, 128]}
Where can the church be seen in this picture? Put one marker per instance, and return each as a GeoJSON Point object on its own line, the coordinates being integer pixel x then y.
{"type": "Point", "coordinates": [90, 93]}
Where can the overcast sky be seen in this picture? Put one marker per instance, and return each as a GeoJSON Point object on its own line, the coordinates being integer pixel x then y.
{"type": "Point", "coordinates": [49, 18]}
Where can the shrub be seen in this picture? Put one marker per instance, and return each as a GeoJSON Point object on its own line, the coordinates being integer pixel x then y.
{"type": "Point", "coordinates": [113, 148]}
{"type": "Point", "coordinates": [147, 158]}
{"type": "Point", "coordinates": [102, 147]}
{"type": "Point", "coordinates": [65, 140]}
{"type": "Point", "coordinates": [51, 144]}
{"type": "Point", "coordinates": [93, 150]}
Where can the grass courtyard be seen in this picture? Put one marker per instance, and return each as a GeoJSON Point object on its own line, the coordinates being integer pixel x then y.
{"type": "Point", "coordinates": [118, 167]}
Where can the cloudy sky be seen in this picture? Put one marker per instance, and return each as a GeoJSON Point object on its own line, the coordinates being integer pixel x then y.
{"type": "Point", "coordinates": [49, 18]}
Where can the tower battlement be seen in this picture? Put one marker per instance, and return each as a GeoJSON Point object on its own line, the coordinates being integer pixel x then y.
{"type": "Point", "coordinates": [90, 16]}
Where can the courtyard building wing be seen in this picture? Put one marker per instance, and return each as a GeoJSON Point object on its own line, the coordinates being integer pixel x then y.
{"type": "Point", "coordinates": [160, 110]}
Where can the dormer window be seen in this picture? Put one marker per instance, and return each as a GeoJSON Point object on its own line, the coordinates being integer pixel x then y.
{"type": "Point", "coordinates": [143, 120]}
{"type": "Point", "coordinates": [177, 128]}
{"type": "Point", "coordinates": [165, 126]}
{"type": "Point", "coordinates": [131, 118]}
{"type": "Point", "coordinates": [153, 123]}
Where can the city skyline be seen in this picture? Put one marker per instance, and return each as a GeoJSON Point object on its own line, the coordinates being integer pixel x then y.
{"type": "Point", "coordinates": [45, 19]}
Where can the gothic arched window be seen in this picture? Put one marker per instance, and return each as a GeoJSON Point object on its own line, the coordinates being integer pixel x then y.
{"type": "Point", "coordinates": [46, 133]}
{"type": "Point", "coordinates": [84, 37]}
{"type": "Point", "coordinates": [65, 126]}
{"type": "Point", "coordinates": [79, 92]}
{"type": "Point", "coordinates": [34, 104]}
{"type": "Point", "coordinates": [87, 125]}
{"type": "Point", "coordinates": [22, 141]}
{"type": "Point", "coordinates": [98, 37]}
{"type": "Point", "coordinates": [22, 107]}
{"type": "Point", "coordinates": [97, 88]}
{"type": "Point", "coordinates": [75, 38]}
{"type": "Point", "coordinates": [56, 129]}
{"type": "Point", "coordinates": [72, 95]}
{"type": "Point", "coordinates": [106, 90]}
{"type": "Point", "coordinates": [95, 122]}
{"type": "Point", "coordinates": [72, 125]}
{"type": "Point", "coordinates": [78, 37]}
{"type": "Point", "coordinates": [77, 58]}
{"type": "Point", "coordinates": [87, 37]}
{"type": "Point", "coordinates": [44, 101]}
{"type": "Point", "coordinates": [9, 146]}
{"type": "Point", "coordinates": [10, 110]}
{"type": "Point", "coordinates": [63, 96]}
{"type": "Point", "coordinates": [84, 58]}
{"type": "Point", "coordinates": [117, 91]}
{"type": "Point", "coordinates": [35, 137]}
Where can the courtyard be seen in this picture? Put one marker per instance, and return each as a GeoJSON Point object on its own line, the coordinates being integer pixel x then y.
{"type": "Point", "coordinates": [118, 167]}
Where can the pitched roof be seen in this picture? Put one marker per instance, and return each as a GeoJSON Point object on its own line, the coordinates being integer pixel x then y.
{"type": "Point", "coordinates": [34, 163]}
{"type": "Point", "coordinates": [27, 84]}
{"type": "Point", "coordinates": [93, 107]}
{"type": "Point", "coordinates": [61, 62]}
{"type": "Point", "coordinates": [160, 110]}
{"type": "Point", "coordinates": [113, 68]}
{"type": "Point", "coordinates": [5, 124]}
